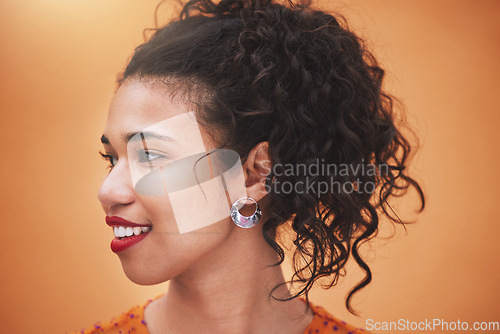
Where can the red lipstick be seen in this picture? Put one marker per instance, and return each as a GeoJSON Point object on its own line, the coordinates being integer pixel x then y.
{"type": "Point", "coordinates": [119, 244]}
{"type": "Point", "coordinates": [119, 221]}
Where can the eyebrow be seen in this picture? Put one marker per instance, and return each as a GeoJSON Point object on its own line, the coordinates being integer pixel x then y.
{"type": "Point", "coordinates": [132, 136]}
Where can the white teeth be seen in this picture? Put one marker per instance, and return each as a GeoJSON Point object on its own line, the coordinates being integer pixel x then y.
{"type": "Point", "coordinates": [129, 231]}
{"type": "Point", "coordinates": [122, 231]}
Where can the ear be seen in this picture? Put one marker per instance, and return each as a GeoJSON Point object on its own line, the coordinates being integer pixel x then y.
{"type": "Point", "coordinates": [256, 168]}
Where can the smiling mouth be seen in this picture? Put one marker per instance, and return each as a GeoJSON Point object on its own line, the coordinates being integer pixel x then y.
{"type": "Point", "coordinates": [124, 232]}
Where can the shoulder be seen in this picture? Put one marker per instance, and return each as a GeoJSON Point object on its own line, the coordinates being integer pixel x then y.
{"type": "Point", "coordinates": [131, 321]}
{"type": "Point", "coordinates": [325, 323]}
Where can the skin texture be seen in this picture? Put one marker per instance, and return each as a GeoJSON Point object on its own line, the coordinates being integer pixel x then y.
{"type": "Point", "coordinates": [219, 279]}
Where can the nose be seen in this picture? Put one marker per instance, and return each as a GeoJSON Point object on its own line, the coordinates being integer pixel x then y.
{"type": "Point", "coordinates": [116, 188]}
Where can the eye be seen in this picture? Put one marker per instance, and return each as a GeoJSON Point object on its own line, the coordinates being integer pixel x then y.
{"type": "Point", "coordinates": [149, 156]}
{"type": "Point", "coordinates": [111, 159]}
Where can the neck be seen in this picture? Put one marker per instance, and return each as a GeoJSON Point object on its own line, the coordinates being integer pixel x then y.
{"type": "Point", "coordinates": [228, 291]}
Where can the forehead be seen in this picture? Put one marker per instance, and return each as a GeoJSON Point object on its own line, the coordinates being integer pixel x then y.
{"type": "Point", "coordinates": [139, 103]}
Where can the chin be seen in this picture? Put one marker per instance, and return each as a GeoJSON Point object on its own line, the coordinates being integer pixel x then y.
{"type": "Point", "coordinates": [145, 278]}
{"type": "Point", "coordinates": [140, 278]}
{"type": "Point", "coordinates": [143, 275]}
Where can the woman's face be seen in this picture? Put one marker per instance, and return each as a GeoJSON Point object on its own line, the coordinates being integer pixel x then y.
{"type": "Point", "coordinates": [169, 248]}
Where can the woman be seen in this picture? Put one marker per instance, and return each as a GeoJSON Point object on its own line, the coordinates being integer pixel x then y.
{"type": "Point", "coordinates": [237, 124]}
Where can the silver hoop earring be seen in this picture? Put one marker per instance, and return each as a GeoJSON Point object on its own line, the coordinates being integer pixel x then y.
{"type": "Point", "coordinates": [245, 221]}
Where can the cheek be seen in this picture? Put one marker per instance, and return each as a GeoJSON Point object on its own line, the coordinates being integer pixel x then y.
{"type": "Point", "coordinates": [160, 213]}
{"type": "Point", "coordinates": [166, 253]}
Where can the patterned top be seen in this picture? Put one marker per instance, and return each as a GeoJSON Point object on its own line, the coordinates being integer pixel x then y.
{"type": "Point", "coordinates": [132, 321]}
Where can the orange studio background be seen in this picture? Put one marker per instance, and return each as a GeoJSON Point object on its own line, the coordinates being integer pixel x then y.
{"type": "Point", "coordinates": [58, 64]}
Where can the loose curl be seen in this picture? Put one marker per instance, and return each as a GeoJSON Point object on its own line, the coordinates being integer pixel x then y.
{"type": "Point", "coordinates": [299, 79]}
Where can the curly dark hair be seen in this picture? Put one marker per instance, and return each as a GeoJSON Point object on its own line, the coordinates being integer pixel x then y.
{"type": "Point", "coordinates": [298, 78]}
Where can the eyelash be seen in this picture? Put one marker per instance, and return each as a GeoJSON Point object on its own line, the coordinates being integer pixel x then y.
{"type": "Point", "coordinates": [109, 159]}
